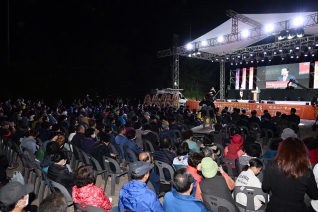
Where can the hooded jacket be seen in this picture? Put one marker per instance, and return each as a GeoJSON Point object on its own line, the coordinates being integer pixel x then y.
{"type": "Point", "coordinates": [61, 175]}
{"type": "Point", "coordinates": [29, 143]}
{"type": "Point", "coordinates": [136, 196]}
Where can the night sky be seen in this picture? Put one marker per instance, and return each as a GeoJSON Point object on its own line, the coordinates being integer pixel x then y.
{"type": "Point", "coordinates": [72, 48]}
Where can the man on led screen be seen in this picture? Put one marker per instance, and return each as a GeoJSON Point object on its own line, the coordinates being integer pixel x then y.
{"type": "Point", "coordinates": [286, 77]}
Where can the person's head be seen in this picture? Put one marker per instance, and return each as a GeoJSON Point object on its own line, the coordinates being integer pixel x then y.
{"type": "Point", "coordinates": [165, 142]}
{"type": "Point", "coordinates": [147, 127]}
{"type": "Point", "coordinates": [254, 150]}
{"type": "Point", "coordinates": [100, 126]}
{"type": "Point", "coordinates": [5, 125]}
{"type": "Point", "coordinates": [80, 128]}
{"type": "Point", "coordinates": [292, 158]}
{"type": "Point", "coordinates": [121, 130]}
{"type": "Point", "coordinates": [183, 181]}
{"type": "Point", "coordinates": [54, 202]}
{"type": "Point", "coordinates": [61, 140]}
{"type": "Point", "coordinates": [209, 167]}
{"type": "Point", "coordinates": [105, 138]}
{"type": "Point", "coordinates": [56, 128]}
{"type": "Point", "coordinates": [292, 110]}
{"type": "Point", "coordinates": [255, 165]}
{"type": "Point", "coordinates": [52, 148]}
{"type": "Point", "coordinates": [253, 112]}
{"type": "Point", "coordinates": [84, 175]}
{"type": "Point", "coordinates": [32, 133]}
{"type": "Point", "coordinates": [137, 125]}
{"type": "Point", "coordinates": [183, 149]}
{"type": "Point", "coordinates": [284, 71]}
{"type": "Point", "coordinates": [234, 131]}
{"type": "Point", "coordinates": [140, 171]}
{"type": "Point", "coordinates": [284, 116]}
{"type": "Point", "coordinates": [131, 134]}
{"type": "Point", "coordinates": [237, 141]}
{"type": "Point", "coordinates": [15, 196]}
{"type": "Point", "coordinates": [92, 123]}
{"type": "Point", "coordinates": [218, 127]}
{"type": "Point", "coordinates": [267, 117]}
{"type": "Point", "coordinates": [145, 156]}
{"type": "Point", "coordinates": [275, 143]}
{"type": "Point", "coordinates": [90, 133]}
{"type": "Point", "coordinates": [194, 160]}
{"type": "Point", "coordinates": [207, 152]}
{"type": "Point", "coordinates": [278, 114]}
{"type": "Point", "coordinates": [188, 135]}
{"type": "Point", "coordinates": [311, 142]}
{"type": "Point", "coordinates": [288, 133]}
{"type": "Point", "coordinates": [60, 158]}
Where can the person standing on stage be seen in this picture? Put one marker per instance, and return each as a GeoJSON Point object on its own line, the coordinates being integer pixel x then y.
{"type": "Point", "coordinates": [285, 76]}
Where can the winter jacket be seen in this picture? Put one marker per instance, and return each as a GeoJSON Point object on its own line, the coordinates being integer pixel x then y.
{"type": "Point", "coordinates": [91, 195]}
{"type": "Point", "coordinates": [61, 175]}
{"type": "Point", "coordinates": [88, 145]}
{"type": "Point", "coordinates": [136, 196]}
{"type": "Point", "coordinates": [29, 143]}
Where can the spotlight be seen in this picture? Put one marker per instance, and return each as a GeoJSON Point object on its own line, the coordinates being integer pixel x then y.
{"type": "Point", "coordinates": [291, 34]}
{"type": "Point", "coordinates": [189, 46]}
{"type": "Point", "coordinates": [300, 32]}
{"type": "Point", "coordinates": [204, 43]}
{"type": "Point", "coordinates": [282, 35]}
{"type": "Point", "coordinates": [245, 33]}
{"type": "Point", "coordinates": [298, 21]}
{"type": "Point", "coordinates": [306, 53]}
{"type": "Point", "coordinates": [189, 55]}
{"type": "Point", "coordinates": [220, 39]}
{"type": "Point", "coordinates": [269, 28]}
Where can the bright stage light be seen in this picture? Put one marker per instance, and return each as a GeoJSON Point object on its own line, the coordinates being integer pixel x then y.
{"type": "Point", "coordinates": [245, 33]}
{"type": "Point", "coordinates": [298, 21]}
{"type": "Point", "coordinates": [220, 39]}
{"type": "Point", "coordinates": [300, 32]}
{"type": "Point", "coordinates": [204, 43]}
{"type": "Point", "coordinates": [189, 46]}
{"type": "Point", "coordinates": [269, 28]}
{"type": "Point", "coordinates": [291, 34]}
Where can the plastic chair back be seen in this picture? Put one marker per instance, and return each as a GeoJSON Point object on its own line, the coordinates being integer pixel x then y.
{"type": "Point", "coordinates": [250, 193]}
{"type": "Point", "coordinates": [148, 146]}
{"type": "Point", "coordinates": [87, 208]}
{"type": "Point", "coordinates": [161, 166]}
{"type": "Point", "coordinates": [64, 191]}
{"type": "Point", "coordinates": [213, 203]}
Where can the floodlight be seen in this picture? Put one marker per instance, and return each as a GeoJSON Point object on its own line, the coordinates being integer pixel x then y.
{"type": "Point", "coordinates": [298, 21]}
{"type": "Point", "coordinates": [204, 43]}
{"type": "Point", "coordinates": [269, 28]}
{"type": "Point", "coordinates": [189, 46]}
{"type": "Point", "coordinates": [282, 35]}
{"type": "Point", "coordinates": [300, 32]}
{"type": "Point", "coordinates": [245, 33]}
{"type": "Point", "coordinates": [189, 55]}
{"type": "Point", "coordinates": [291, 34]}
{"type": "Point", "coordinates": [220, 39]}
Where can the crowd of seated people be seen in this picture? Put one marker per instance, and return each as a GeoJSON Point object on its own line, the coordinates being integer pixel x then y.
{"type": "Point", "coordinates": [50, 133]}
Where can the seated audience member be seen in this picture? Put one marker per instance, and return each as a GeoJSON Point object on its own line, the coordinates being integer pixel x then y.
{"type": "Point", "coordinates": [40, 154]}
{"type": "Point", "coordinates": [192, 121]}
{"type": "Point", "coordinates": [312, 144]}
{"type": "Point", "coordinates": [250, 140]}
{"type": "Point", "coordinates": [209, 142]}
{"type": "Point", "coordinates": [165, 155]}
{"type": "Point", "coordinates": [173, 124]}
{"type": "Point", "coordinates": [254, 118]}
{"type": "Point", "coordinates": [4, 164]}
{"type": "Point", "coordinates": [166, 131]}
{"type": "Point", "coordinates": [268, 124]}
{"type": "Point", "coordinates": [79, 136]}
{"type": "Point", "coordinates": [283, 121]}
{"type": "Point", "coordinates": [272, 151]}
{"type": "Point", "coordinates": [102, 149]}
{"type": "Point", "coordinates": [14, 196]}
{"type": "Point", "coordinates": [292, 117]}
{"type": "Point", "coordinates": [214, 184]}
{"type": "Point", "coordinates": [72, 132]}
{"type": "Point", "coordinates": [248, 178]}
{"type": "Point", "coordinates": [135, 195]}
{"type": "Point", "coordinates": [264, 116]}
{"type": "Point", "coordinates": [29, 141]}
{"type": "Point", "coordinates": [54, 202]}
{"type": "Point", "coordinates": [150, 136]}
{"type": "Point", "coordinates": [154, 124]}
{"type": "Point", "coordinates": [233, 131]}
{"type": "Point", "coordinates": [252, 151]}
{"type": "Point", "coordinates": [89, 141]}
{"type": "Point", "coordinates": [180, 199]}
{"type": "Point", "coordinates": [234, 149]}
{"type": "Point", "coordinates": [51, 149]}
{"type": "Point", "coordinates": [131, 144]}
{"type": "Point", "coordinates": [182, 156]}
{"type": "Point", "coordinates": [59, 173]}
{"type": "Point", "coordinates": [219, 136]}
{"type": "Point", "coordinates": [86, 192]}
{"type": "Point", "coordinates": [194, 165]}
{"type": "Point", "coordinates": [154, 178]}
{"type": "Point", "coordinates": [277, 117]}
{"type": "Point", "coordinates": [188, 137]}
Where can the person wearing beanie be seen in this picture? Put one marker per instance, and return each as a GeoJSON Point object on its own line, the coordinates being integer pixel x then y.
{"type": "Point", "coordinates": [234, 149]}
{"type": "Point", "coordinates": [214, 183]}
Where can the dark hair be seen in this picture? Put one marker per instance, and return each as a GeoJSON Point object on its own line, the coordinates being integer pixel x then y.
{"type": "Point", "coordinates": [52, 148]}
{"type": "Point", "coordinates": [253, 112]}
{"type": "Point", "coordinates": [56, 127]}
{"type": "Point", "coordinates": [91, 123]}
{"type": "Point", "coordinates": [165, 142]}
{"type": "Point", "coordinates": [195, 159]}
{"type": "Point", "coordinates": [254, 150]}
{"type": "Point", "coordinates": [60, 155]}
{"type": "Point", "coordinates": [183, 149]}
{"type": "Point", "coordinates": [131, 134]}
{"type": "Point", "coordinates": [54, 202]}
{"type": "Point", "coordinates": [254, 162]}
{"type": "Point", "coordinates": [134, 177]}
{"type": "Point", "coordinates": [7, 208]}
{"type": "Point", "coordinates": [60, 140]}
{"type": "Point", "coordinates": [293, 110]}
{"type": "Point", "coordinates": [79, 127]}
{"type": "Point", "coordinates": [275, 143]}
{"type": "Point", "coordinates": [100, 126]}
{"type": "Point", "coordinates": [89, 132]}
{"type": "Point", "coordinates": [187, 134]}
{"type": "Point", "coordinates": [234, 131]}
{"type": "Point", "coordinates": [310, 142]}
{"type": "Point", "coordinates": [84, 175]}
{"type": "Point", "coordinates": [147, 127]}
{"type": "Point", "coordinates": [182, 180]}
{"type": "Point", "coordinates": [32, 132]}
{"type": "Point", "coordinates": [292, 158]}
{"type": "Point", "coordinates": [104, 137]}
{"type": "Point", "coordinates": [137, 125]}
{"type": "Point", "coordinates": [71, 129]}
{"type": "Point", "coordinates": [120, 129]}
{"type": "Point", "coordinates": [218, 127]}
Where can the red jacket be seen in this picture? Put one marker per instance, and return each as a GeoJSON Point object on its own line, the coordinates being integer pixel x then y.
{"type": "Point", "coordinates": [91, 195]}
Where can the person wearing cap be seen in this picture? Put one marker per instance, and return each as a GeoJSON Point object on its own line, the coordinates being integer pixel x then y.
{"type": "Point", "coordinates": [4, 131]}
{"type": "Point", "coordinates": [135, 195]}
{"type": "Point", "coordinates": [290, 133]}
{"type": "Point", "coordinates": [234, 149]}
{"type": "Point", "coordinates": [165, 130]}
{"type": "Point", "coordinates": [213, 183]}
{"type": "Point", "coordinates": [14, 196]}
{"type": "Point", "coordinates": [154, 178]}
{"type": "Point", "coordinates": [180, 199]}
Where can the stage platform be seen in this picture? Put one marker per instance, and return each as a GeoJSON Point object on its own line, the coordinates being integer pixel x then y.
{"type": "Point", "coordinates": [303, 110]}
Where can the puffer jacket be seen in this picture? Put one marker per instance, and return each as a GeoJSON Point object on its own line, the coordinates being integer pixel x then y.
{"type": "Point", "coordinates": [61, 175]}
{"type": "Point", "coordinates": [233, 152]}
{"type": "Point", "coordinates": [91, 195]}
{"type": "Point", "coordinates": [29, 143]}
{"type": "Point", "coordinates": [136, 196]}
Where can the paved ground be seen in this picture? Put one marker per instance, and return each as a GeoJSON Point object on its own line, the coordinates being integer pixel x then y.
{"type": "Point", "coordinates": [305, 130]}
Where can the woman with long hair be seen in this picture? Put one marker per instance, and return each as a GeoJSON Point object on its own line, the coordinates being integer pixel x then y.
{"type": "Point", "coordinates": [288, 176]}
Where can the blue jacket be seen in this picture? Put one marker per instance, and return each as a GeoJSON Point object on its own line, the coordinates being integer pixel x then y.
{"type": "Point", "coordinates": [121, 140]}
{"type": "Point", "coordinates": [136, 196]}
{"type": "Point", "coordinates": [130, 144]}
{"type": "Point", "coordinates": [175, 202]}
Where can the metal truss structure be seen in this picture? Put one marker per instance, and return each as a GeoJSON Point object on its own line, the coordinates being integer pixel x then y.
{"type": "Point", "coordinates": [175, 63]}
{"type": "Point", "coordinates": [222, 80]}
{"type": "Point", "coordinates": [239, 17]}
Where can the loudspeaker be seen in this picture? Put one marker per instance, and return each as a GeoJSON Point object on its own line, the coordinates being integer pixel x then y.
{"type": "Point", "coordinates": [270, 102]}
{"type": "Point", "coordinates": [251, 101]}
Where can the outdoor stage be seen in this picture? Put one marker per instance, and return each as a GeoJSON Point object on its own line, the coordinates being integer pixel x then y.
{"type": "Point", "coordinates": [303, 110]}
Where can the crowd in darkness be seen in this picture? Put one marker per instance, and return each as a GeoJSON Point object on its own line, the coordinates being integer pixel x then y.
{"type": "Point", "coordinates": [103, 128]}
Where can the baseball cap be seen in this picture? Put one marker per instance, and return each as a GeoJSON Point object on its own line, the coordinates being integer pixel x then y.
{"type": "Point", "coordinates": [14, 191]}
{"type": "Point", "coordinates": [5, 123]}
{"type": "Point", "coordinates": [140, 168]}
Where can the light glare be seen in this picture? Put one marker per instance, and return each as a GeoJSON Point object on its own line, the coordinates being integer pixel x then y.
{"type": "Point", "coordinates": [298, 21]}
{"type": "Point", "coordinates": [220, 39]}
{"type": "Point", "coordinates": [189, 46]}
{"type": "Point", "coordinates": [245, 33]}
{"type": "Point", "coordinates": [204, 43]}
{"type": "Point", "coordinates": [269, 27]}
